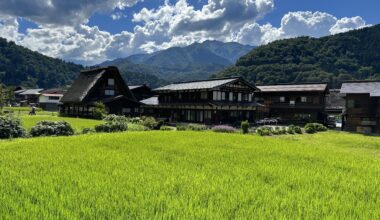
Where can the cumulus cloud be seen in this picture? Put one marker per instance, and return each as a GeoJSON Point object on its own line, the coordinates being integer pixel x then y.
{"type": "Point", "coordinates": [347, 24]}
{"type": "Point", "coordinates": [61, 12]}
{"type": "Point", "coordinates": [63, 30]}
{"type": "Point", "coordinates": [9, 28]}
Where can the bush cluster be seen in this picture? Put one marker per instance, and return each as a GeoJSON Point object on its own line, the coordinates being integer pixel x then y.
{"type": "Point", "coordinates": [224, 129]}
{"type": "Point", "coordinates": [113, 123]}
{"type": "Point", "coordinates": [52, 128]}
{"type": "Point", "coordinates": [266, 131]}
{"type": "Point", "coordinates": [10, 128]}
{"type": "Point", "coordinates": [191, 127]}
{"type": "Point", "coordinates": [150, 123]}
{"type": "Point", "coordinates": [99, 111]}
{"type": "Point", "coordinates": [167, 128]}
{"type": "Point", "coordinates": [245, 127]}
{"type": "Point", "coordinates": [312, 128]}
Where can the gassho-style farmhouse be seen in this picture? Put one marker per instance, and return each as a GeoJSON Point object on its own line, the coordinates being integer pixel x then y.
{"type": "Point", "coordinates": [226, 101]}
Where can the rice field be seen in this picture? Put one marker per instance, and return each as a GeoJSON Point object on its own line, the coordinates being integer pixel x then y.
{"type": "Point", "coordinates": [187, 175]}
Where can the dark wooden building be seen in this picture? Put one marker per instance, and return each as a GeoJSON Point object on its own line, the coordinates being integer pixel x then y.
{"type": "Point", "coordinates": [99, 85]}
{"type": "Point", "coordinates": [294, 104]}
{"type": "Point", "coordinates": [215, 101]}
{"type": "Point", "coordinates": [141, 92]}
{"type": "Point", "coordinates": [334, 102]}
{"type": "Point", "coordinates": [362, 106]}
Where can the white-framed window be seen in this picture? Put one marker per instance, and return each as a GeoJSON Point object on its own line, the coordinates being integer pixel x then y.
{"type": "Point", "coordinates": [219, 96]}
{"type": "Point", "coordinates": [239, 97]}
{"type": "Point", "coordinates": [231, 96]}
{"type": "Point", "coordinates": [111, 82]}
{"type": "Point", "coordinates": [109, 92]}
{"type": "Point", "coordinates": [223, 96]}
{"type": "Point", "coordinates": [282, 99]}
{"type": "Point", "coordinates": [215, 95]}
{"type": "Point", "coordinates": [250, 96]}
{"type": "Point", "coordinates": [303, 99]}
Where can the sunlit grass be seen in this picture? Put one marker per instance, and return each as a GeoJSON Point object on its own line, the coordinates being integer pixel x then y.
{"type": "Point", "coordinates": [187, 175]}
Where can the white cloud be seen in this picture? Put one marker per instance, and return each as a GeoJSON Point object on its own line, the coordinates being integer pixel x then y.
{"type": "Point", "coordinates": [9, 28]}
{"type": "Point", "coordinates": [69, 37]}
{"type": "Point", "coordinates": [60, 12]}
{"type": "Point", "coordinates": [347, 24]}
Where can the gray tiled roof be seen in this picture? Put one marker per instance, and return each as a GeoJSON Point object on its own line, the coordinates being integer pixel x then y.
{"type": "Point", "coordinates": [294, 88]}
{"type": "Point", "coordinates": [135, 87]}
{"type": "Point", "coordinates": [150, 101]}
{"type": "Point", "coordinates": [31, 92]}
{"type": "Point", "coordinates": [196, 85]}
{"type": "Point", "coordinates": [371, 88]}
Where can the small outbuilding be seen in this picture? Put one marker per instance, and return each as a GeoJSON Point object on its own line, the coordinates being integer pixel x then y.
{"type": "Point", "coordinates": [362, 106]}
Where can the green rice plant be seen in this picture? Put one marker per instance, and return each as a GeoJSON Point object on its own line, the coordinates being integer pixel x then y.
{"type": "Point", "coordinates": [190, 175]}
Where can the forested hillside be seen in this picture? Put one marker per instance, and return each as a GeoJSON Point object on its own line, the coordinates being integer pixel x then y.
{"type": "Point", "coordinates": [21, 66]}
{"type": "Point", "coordinates": [348, 56]}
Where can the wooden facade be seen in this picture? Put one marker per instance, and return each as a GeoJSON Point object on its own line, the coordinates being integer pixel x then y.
{"type": "Point", "coordinates": [362, 107]}
{"type": "Point", "coordinates": [294, 104]}
{"type": "Point", "coordinates": [218, 101]}
{"type": "Point", "coordinates": [99, 85]}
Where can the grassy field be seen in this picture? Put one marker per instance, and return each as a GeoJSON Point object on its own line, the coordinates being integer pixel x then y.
{"type": "Point", "coordinates": [28, 121]}
{"type": "Point", "coordinates": [190, 175]}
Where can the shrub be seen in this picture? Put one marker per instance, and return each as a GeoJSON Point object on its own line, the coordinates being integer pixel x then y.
{"type": "Point", "coordinates": [291, 129]}
{"type": "Point", "coordinates": [191, 127]}
{"type": "Point", "coordinates": [10, 127]}
{"type": "Point", "coordinates": [312, 128]}
{"type": "Point", "coordinates": [136, 120]}
{"type": "Point", "coordinates": [264, 131]}
{"type": "Point", "coordinates": [245, 127]}
{"type": "Point", "coordinates": [113, 123]}
{"type": "Point", "coordinates": [52, 128]}
{"type": "Point", "coordinates": [224, 129]}
{"type": "Point", "coordinates": [167, 128]}
{"type": "Point", "coordinates": [151, 123]}
{"type": "Point", "coordinates": [298, 129]}
{"type": "Point", "coordinates": [87, 130]}
{"type": "Point", "coordinates": [277, 131]}
{"type": "Point", "coordinates": [99, 110]}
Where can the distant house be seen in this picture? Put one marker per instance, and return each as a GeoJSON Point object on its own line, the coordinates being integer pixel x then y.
{"type": "Point", "coordinates": [28, 96]}
{"type": "Point", "coordinates": [295, 103]}
{"type": "Point", "coordinates": [99, 85]}
{"type": "Point", "coordinates": [335, 102]}
{"type": "Point", "coordinates": [214, 101]}
{"type": "Point", "coordinates": [50, 98]}
{"type": "Point", "coordinates": [141, 92]}
{"type": "Point", "coordinates": [362, 106]}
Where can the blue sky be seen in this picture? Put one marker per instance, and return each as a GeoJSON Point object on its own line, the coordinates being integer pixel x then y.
{"type": "Point", "coordinates": [92, 31]}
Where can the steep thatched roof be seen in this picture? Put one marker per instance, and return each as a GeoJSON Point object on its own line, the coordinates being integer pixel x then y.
{"type": "Point", "coordinates": [87, 80]}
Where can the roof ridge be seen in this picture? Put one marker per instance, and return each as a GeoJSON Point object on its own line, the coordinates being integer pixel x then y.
{"type": "Point", "coordinates": [206, 80]}
{"type": "Point", "coordinates": [292, 84]}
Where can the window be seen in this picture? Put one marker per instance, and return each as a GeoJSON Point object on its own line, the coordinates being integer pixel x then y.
{"type": "Point", "coordinates": [214, 95]}
{"type": "Point", "coordinates": [208, 115]}
{"type": "Point", "coordinates": [110, 92]}
{"type": "Point", "coordinates": [179, 96]}
{"type": "Point", "coordinates": [353, 104]}
{"type": "Point", "coordinates": [126, 110]}
{"type": "Point", "coordinates": [111, 82]}
{"type": "Point", "coordinates": [250, 96]}
{"type": "Point", "coordinates": [223, 96]}
{"type": "Point", "coordinates": [54, 98]}
{"type": "Point", "coordinates": [303, 99]}
{"type": "Point", "coordinates": [231, 96]}
{"type": "Point", "coordinates": [239, 97]}
{"type": "Point", "coordinates": [219, 96]}
{"type": "Point", "coordinates": [204, 95]}
{"type": "Point", "coordinates": [282, 99]}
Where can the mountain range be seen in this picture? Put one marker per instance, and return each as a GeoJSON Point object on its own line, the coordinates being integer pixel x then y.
{"type": "Point", "coordinates": [197, 61]}
{"type": "Point", "coordinates": [353, 55]}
